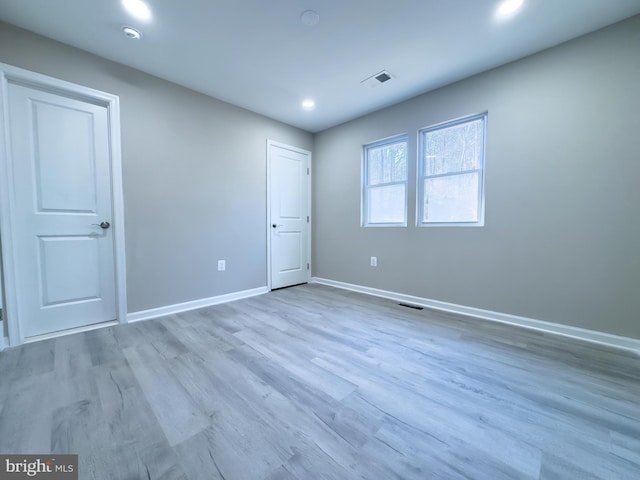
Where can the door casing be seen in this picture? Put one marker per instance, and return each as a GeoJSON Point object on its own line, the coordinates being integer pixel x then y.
{"type": "Point", "coordinates": [271, 143]}
{"type": "Point", "coordinates": [10, 74]}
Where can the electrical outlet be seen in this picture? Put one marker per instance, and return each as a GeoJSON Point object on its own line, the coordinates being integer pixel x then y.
{"type": "Point", "coordinates": [374, 261]}
{"type": "Point", "coordinates": [222, 265]}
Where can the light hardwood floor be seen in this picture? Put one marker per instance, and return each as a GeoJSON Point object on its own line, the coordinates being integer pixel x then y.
{"type": "Point", "coordinates": [317, 383]}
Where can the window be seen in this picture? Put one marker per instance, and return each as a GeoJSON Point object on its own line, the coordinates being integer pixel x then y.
{"type": "Point", "coordinates": [452, 173]}
{"type": "Point", "coordinates": [385, 183]}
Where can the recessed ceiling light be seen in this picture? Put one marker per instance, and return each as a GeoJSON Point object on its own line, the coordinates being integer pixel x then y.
{"type": "Point", "coordinates": [131, 32]}
{"type": "Point", "coordinates": [137, 8]}
{"type": "Point", "coordinates": [308, 104]}
{"type": "Point", "coordinates": [509, 6]}
{"type": "Point", "coordinates": [310, 18]}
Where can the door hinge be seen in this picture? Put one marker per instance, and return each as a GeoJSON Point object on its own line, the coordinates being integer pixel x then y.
{"type": "Point", "coordinates": [307, 266]}
{"type": "Point", "coordinates": [307, 218]}
{"type": "Point", "coordinates": [307, 171]}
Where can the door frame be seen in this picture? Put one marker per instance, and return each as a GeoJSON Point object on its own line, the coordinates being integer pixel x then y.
{"type": "Point", "coordinates": [11, 74]}
{"type": "Point", "coordinates": [273, 143]}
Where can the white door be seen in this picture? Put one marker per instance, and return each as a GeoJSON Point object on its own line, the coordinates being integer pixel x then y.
{"type": "Point", "coordinates": [63, 240]}
{"type": "Point", "coordinates": [289, 215]}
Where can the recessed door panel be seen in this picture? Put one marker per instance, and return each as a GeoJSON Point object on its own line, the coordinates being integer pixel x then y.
{"type": "Point", "coordinates": [288, 172]}
{"type": "Point", "coordinates": [290, 252]}
{"type": "Point", "coordinates": [64, 158]}
{"type": "Point", "coordinates": [69, 269]}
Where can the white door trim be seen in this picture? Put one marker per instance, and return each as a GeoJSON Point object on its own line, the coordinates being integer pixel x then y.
{"type": "Point", "coordinates": [11, 74]}
{"type": "Point", "coordinates": [271, 143]}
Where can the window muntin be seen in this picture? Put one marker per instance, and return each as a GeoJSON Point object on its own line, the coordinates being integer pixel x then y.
{"type": "Point", "coordinates": [452, 173]}
{"type": "Point", "coordinates": [385, 183]}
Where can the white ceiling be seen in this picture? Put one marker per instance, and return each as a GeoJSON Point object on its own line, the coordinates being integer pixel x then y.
{"type": "Point", "coordinates": [258, 54]}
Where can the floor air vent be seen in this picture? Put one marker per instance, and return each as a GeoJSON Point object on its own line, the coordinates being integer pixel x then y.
{"type": "Point", "coordinates": [415, 307]}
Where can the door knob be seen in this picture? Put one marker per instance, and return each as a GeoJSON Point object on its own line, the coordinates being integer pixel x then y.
{"type": "Point", "coordinates": [103, 225]}
{"type": "Point", "coordinates": [274, 225]}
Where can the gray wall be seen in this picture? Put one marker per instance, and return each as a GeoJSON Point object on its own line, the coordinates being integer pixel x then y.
{"type": "Point", "coordinates": [562, 235]}
{"type": "Point", "coordinates": [194, 174]}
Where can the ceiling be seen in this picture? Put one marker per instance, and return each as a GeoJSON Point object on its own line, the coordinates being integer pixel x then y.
{"type": "Point", "coordinates": [259, 55]}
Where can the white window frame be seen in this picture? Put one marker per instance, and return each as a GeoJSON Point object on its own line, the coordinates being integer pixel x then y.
{"type": "Point", "coordinates": [366, 187]}
{"type": "Point", "coordinates": [421, 177]}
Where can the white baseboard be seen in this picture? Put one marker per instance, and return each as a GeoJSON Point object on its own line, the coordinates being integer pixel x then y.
{"type": "Point", "coordinates": [194, 304]}
{"type": "Point", "coordinates": [593, 336]}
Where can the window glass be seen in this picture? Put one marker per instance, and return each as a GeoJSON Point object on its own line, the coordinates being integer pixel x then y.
{"type": "Point", "coordinates": [385, 183]}
{"type": "Point", "coordinates": [452, 173]}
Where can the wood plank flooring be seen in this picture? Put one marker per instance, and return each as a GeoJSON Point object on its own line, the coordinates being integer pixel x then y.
{"type": "Point", "coordinates": [317, 383]}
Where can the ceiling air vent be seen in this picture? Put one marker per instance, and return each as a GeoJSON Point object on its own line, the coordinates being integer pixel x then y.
{"type": "Point", "coordinates": [377, 79]}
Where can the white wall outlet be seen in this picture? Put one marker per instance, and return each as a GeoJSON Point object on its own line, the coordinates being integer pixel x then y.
{"type": "Point", "coordinates": [222, 265]}
{"type": "Point", "coordinates": [374, 261]}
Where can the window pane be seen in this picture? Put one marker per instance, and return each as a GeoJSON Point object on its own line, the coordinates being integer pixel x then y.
{"type": "Point", "coordinates": [454, 149]}
{"type": "Point", "coordinates": [386, 204]}
{"type": "Point", "coordinates": [451, 199]}
{"type": "Point", "coordinates": [387, 163]}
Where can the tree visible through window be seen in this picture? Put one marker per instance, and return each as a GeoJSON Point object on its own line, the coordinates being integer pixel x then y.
{"type": "Point", "coordinates": [385, 182]}
{"type": "Point", "coordinates": [451, 172]}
